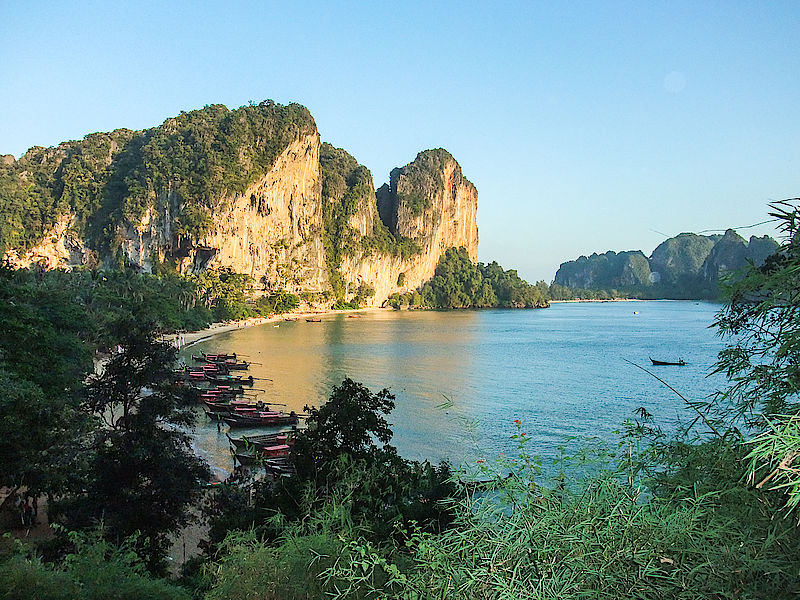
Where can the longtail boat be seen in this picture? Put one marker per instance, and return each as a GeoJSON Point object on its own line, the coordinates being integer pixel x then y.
{"type": "Point", "coordinates": [218, 357]}
{"type": "Point", "coordinates": [228, 379]}
{"type": "Point", "coordinates": [281, 466]}
{"type": "Point", "coordinates": [234, 406]}
{"type": "Point", "coordinates": [255, 441]}
{"type": "Point", "coordinates": [227, 361]}
{"type": "Point", "coordinates": [237, 366]}
{"type": "Point", "coordinates": [661, 363]}
{"type": "Point", "coordinates": [259, 418]}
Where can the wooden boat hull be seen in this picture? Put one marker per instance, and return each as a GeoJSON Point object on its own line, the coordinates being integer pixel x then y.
{"type": "Point", "coordinates": [250, 442]}
{"type": "Point", "coordinates": [276, 466]}
{"type": "Point", "coordinates": [230, 379]}
{"type": "Point", "coordinates": [663, 363]}
{"type": "Point", "coordinates": [246, 421]}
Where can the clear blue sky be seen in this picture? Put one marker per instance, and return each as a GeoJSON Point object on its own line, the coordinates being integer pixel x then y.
{"type": "Point", "coordinates": [586, 127]}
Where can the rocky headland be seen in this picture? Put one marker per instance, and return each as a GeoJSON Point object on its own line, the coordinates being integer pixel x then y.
{"type": "Point", "coordinates": [253, 190]}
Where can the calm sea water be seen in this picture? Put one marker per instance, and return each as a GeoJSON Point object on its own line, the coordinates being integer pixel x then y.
{"type": "Point", "coordinates": [561, 371]}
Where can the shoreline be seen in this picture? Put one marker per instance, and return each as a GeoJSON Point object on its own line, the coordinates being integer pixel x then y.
{"type": "Point", "coordinates": [598, 300]}
{"type": "Point", "coordinates": [184, 340]}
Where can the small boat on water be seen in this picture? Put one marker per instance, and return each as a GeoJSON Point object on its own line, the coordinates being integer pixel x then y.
{"type": "Point", "coordinates": [258, 418]}
{"type": "Point", "coordinates": [221, 364]}
{"type": "Point", "coordinates": [314, 320]}
{"type": "Point", "coordinates": [279, 466]}
{"type": "Point", "coordinates": [238, 366]}
{"type": "Point", "coordinates": [248, 442]}
{"type": "Point", "coordinates": [218, 357]}
{"type": "Point", "coordinates": [231, 406]}
{"type": "Point", "coordinates": [228, 379]}
{"type": "Point", "coordinates": [662, 363]}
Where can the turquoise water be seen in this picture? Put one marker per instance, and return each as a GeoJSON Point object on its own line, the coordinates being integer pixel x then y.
{"type": "Point", "coordinates": [561, 371]}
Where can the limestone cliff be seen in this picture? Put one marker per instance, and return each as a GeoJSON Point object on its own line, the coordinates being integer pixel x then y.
{"type": "Point", "coordinates": [680, 256]}
{"type": "Point", "coordinates": [251, 190]}
{"type": "Point", "coordinates": [271, 231]}
{"type": "Point", "coordinates": [610, 270]}
{"type": "Point", "coordinates": [683, 267]}
{"type": "Point", "coordinates": [60, 248]}
{"type": "Point", "coordinates": [430, 203]}
{"type": "Point", "coordinates": [728, 254]}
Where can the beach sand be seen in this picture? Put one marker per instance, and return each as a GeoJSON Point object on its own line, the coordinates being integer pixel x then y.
{"type": "Point", "coordinates": [187, 339]}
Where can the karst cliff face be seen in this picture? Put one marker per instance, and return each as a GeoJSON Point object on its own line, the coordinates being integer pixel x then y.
{"type": "Point", "coordinates": [430, 202]}
{"type": "Point", "coordinates": [267, 199]}
{"type": "Point", "coordinates": [270, 231]}
{"type": "Point", "coordinates": [61, 248]}
{"type": "Point", "coordinates": [682, 267]}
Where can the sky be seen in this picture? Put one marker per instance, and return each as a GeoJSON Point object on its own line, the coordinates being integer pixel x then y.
{"type": "Point", "coordinates": [585, 126]}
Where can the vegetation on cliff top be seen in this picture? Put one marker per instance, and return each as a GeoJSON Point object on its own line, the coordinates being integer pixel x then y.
{"type": "Point", "coordinates": [184, 166]}
{"type": "Point", "coordinates": [421, 178]}
{"type": "Point", "coordinates": [687, 266]}
{"type": "Point", "coordinates": [347, 189]}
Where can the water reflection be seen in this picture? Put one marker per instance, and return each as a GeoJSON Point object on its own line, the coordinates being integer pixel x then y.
{"type": "Point", "coordinates": [561, 371]}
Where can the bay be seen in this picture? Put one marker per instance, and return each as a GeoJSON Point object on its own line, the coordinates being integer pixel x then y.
{"type": "Point", "coordinates": [461, 378]}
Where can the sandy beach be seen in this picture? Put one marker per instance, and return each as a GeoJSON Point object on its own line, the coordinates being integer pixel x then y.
{"type": "Point", "coordinates": [187, 339]}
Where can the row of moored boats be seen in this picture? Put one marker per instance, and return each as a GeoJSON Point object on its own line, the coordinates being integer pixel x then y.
{"type": "Point", "coordinates": [227, 398]}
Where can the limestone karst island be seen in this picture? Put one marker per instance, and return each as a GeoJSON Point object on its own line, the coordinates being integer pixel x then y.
{"type": "Point", "coordinates": [252, 191]}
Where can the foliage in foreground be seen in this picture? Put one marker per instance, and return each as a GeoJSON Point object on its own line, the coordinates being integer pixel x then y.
{"type": "Point", "coordinates": [344, 453]}
{"type": "Point", "coordinates": [95, 570]}
{"type": "Point", "coordinates": [601, 537]}
{"type": "Point", "coordinates": [761, 320]}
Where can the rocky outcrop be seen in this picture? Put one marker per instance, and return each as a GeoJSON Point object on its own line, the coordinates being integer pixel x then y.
{"type": "Point", "coordinates": [760, 248]}
{"type": "Point", "coordinates": [685, 266]}
{"type": "Point", "coordinates": [62, 248]}
{"type": "Point", "coordinates": [680, 256]}
{"type": "Point", "coordinates": [610, 270]}
{"type": "Point", "coordinates": [251, 190]}
{"type": "Point", "coordinates": [430, 203]}
{"type": "Point", "coordinates": [348, 184]}
{"type": "Point", "coordinates": [272, 231]}
{"type": "Point", "coordinates": [728, 254]}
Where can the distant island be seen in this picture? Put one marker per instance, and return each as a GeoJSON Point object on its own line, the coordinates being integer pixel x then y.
{"type": "Point", "coordinates": [688, 266]}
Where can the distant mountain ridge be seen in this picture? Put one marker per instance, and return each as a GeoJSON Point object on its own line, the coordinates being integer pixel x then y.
{"type": "Point", "coordinates": [687, 266]}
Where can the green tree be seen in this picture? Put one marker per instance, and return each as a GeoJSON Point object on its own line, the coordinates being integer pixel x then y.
{"type": "Point", "coordinates": [142, 475]}
{"type": "Point", "coordinates": [278, 302]}
{"type": "Point", "coordinates": [43, 360]}
{"type": "Point", "coordinates": [761, 320]}
{"type": "Point", "coordinates": [225, 292]}
{"type": "Point", "coordinates": [459, 283]}
{"type": "Point", "coordinates": [94, 570]}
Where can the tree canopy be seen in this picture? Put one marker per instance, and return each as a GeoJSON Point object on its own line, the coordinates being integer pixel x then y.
{"type": "Point", "coordinates": [459, 283]}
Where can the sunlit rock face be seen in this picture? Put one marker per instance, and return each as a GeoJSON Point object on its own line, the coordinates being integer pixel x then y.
{"type": "Point", "coordinates": [278, 225]}
{"type": "Point", "coordinates": [430, 202]}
